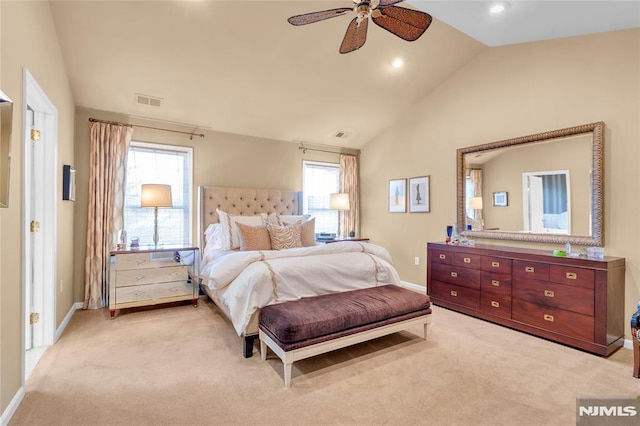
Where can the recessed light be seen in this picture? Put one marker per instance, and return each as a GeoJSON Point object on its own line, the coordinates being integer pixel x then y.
{"type": "Point", "coordinates": [397, 63]}
{"type": "Point", "coordinates": [498, 7]}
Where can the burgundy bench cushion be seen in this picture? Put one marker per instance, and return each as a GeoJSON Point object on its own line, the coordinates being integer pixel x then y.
{"type": "Point", "coordinates": [318, 316]}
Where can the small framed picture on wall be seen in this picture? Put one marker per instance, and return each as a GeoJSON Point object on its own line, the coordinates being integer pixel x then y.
{"type": "Point", "coordinates": [419, 194]}
{"type": "Point", "coordinates": [500, 199]}
{"type": "Point", "coordinates": [397, 196]}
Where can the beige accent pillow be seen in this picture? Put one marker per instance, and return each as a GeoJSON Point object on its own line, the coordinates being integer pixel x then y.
{"type": "Point", "coordinates": [254, 237]}
{"type": "Point", "coordinates": [308, 233]}
{"type": "Point", "coordinates": [284, 237]}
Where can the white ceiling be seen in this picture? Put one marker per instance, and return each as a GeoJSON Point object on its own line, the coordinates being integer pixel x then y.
{"type": "Point", "coordinates": [239, 67]}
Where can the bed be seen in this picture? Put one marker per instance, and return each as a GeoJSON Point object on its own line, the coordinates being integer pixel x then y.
{"type": "Point", "coordinates": [240, 282]}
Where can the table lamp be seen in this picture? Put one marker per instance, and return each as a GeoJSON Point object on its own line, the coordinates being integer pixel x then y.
{"type": "Point", "coordinates": [155, 195]}
{"type": "Point", "coordinates": [340, 201]}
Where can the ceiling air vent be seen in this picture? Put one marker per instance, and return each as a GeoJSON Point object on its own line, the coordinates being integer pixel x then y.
{"type": "Point", "coordinates": [341, 134]}
{"type": "Point", "coordinates": [148, 100]}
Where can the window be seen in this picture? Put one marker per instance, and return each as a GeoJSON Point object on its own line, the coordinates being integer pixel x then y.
{"type": "Point", "coordinates": [320, 180]}
{"type": "Point", "coordinates": [169, 165]}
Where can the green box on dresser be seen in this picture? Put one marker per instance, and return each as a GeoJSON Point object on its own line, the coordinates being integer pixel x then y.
{"type": "Point", "coordinates": [576, 301]}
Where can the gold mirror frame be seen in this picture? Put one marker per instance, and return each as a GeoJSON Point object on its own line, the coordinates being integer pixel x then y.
{"type": "Point", "coordinates": [597, 188]}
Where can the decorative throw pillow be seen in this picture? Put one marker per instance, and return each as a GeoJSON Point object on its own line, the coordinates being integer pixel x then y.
{"type": "Point", "coordinates": [254, 237]}
{"type": "Point", "coordinates": [288, 219]}
{"type": "Point", "coordinates": [284, 237]}
{"type": "Point", "coordinates": [213, 237]}
{"type": "Point", "coordinates": [229, 232]}
{"type": "Point", "coordinates": [308, 233]}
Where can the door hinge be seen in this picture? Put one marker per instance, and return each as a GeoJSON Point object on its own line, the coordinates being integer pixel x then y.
{"type": "Point", "coordinates": [35, 135]}
{"type": "Point", "coordinates": [34, 317]}
{"type": "Point", "coordinates": [35, 226]}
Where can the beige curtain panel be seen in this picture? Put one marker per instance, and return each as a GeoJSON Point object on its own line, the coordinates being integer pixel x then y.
{"type": "Point", "coordinates": [350, 219]}
{"type": "Point", "coordinates": [108, 163]}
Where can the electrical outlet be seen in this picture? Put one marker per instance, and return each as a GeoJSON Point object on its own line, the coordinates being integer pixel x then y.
{"type": "Point", "coordinates": [416, 261]}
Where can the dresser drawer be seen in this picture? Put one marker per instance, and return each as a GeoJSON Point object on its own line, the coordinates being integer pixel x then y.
{"type": "Point", "coordinates": [456, 294]}
{"type": "Point", "coordinates": [496, 264]}
{"type": "Point", "coordinates": [144, 260]}
{"type": "Point", "coordinates": [531, 270]}
{"type": "Point", "coordinates": [156, 292]}
{"type": "Point", "coordinates": [496, 283]}
{"type": "Point", "coordinates": [557, 320]}
{"type": "Point", "coordinates": [467, 260]}
{"type": "Point", "coordinates": [572, 276]}
{"type": "Point", "coordinates": [495, 304]}
{"type": "Point", "coordinates": [576, 299]}
{"type": "Point", "coordinates": [152, 275]}
{"type": "Point", "coordinates": [441, 256]}
{"type": "Point", "coordinates": [456, 275]}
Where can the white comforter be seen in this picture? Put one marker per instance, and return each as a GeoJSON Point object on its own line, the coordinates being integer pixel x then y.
{"type": "Point", "coordinates": [248, 280]}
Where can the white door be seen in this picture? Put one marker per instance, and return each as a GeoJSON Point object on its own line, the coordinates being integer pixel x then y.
{"type": "Point", "coordinates": [40, 192]}
{"type": "Point", "coordinates": [533, 204]}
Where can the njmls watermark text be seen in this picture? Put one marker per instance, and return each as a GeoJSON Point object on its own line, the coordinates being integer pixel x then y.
{"type": "Point", "coordinates": [592, 411]}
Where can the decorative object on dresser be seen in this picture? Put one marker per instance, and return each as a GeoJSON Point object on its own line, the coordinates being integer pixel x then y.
{"type": "Point", "coordinates": [571, 300]}
{"type": "Point", "coordinates": [155, 195]}
{"type": "Point", "coordinates": [139, 277]}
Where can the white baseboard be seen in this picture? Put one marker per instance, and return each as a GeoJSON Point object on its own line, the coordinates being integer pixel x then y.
{"type": "Point", "coordinates": [67, 318]}
{"type": "Point", "coordinates": [628, 344]}
{"type": "Point", "coordinates": [415, 287]}
{"type": "Point", "coordinates": [12, 407]}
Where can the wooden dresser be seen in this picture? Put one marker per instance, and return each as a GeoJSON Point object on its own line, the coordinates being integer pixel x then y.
{"type": "Point", "coordinates": [150, 276]}
{"type": "Point", "coordinates": [575, 301]}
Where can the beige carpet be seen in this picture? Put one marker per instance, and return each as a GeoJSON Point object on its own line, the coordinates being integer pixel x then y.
{"type": "Point", "coordinates": [183, 366]}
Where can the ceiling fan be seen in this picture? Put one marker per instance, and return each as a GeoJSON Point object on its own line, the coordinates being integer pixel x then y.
{"type": "Point", "coordinates": [407, 24]}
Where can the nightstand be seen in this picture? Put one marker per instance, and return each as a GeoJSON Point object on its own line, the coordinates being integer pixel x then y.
{"type": "Point", "coordinates": [152, 275]}
{"type": "Point", "coordinates": [337, 240]}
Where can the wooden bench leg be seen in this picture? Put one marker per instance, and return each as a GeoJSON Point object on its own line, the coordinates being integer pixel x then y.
{"type": "Point", "coordinates": [287, 373]}
{"type": "Point", "coordinates": [263, 350]}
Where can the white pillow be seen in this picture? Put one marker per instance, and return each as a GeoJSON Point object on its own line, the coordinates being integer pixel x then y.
{"type": "Point", "coordinates": [230, 235]}
{"type": "Point", "coordinates": [212, 236]}
{"type": "Point", "coordinates": [288, 219]}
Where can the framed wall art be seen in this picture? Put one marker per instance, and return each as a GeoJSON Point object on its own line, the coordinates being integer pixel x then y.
{"type": "Point", "coordinates": [419, 194]}
{"type": "Point", "coordinates": [398, 196]}
{"type": "Point", "coordinates": [500, 199]}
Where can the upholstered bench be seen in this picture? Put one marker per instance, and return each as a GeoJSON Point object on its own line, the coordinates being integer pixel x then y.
{"type": "Point", "coordinates": [311, 326]}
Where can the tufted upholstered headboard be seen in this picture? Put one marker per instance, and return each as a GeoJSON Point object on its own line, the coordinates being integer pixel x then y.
{"type": "Point", "coordinates": [243, 201]}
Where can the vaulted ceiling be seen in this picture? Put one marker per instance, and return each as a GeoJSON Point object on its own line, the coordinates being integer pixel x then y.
{"type": "Point", "coordinates": [240, 67]}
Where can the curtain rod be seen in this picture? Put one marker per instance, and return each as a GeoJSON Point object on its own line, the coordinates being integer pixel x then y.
{"type": "Point", "coordinates": [191, 134]}
{"type": "Point", "coordinates": [304, 149]}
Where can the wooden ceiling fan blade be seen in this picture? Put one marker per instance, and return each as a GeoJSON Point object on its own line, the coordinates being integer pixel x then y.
{"type": "Point", "coordinates": [387, 3]}
{"type": "Point", "coordinates": [310, 18]}
{"type": "Point", "coordinates": [407, 24]}
{"type": "Point", "coordinates": [355, 37]}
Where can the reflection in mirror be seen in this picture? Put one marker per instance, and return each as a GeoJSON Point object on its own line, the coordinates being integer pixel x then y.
{"type": "Point", "coordinates": [553, 182]}
{"type": "Point", "coordinates": [6, 118]}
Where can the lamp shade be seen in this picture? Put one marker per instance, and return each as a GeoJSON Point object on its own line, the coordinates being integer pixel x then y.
{"type": "Point", "coordinates": [339, 201]}
{"type": "Point", "coordinates": [156, 195]}
{"type": "Point", "coordinates": [476, 203]}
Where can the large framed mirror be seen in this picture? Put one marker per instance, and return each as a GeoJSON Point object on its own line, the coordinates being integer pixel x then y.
{"type": "Point", "coordinates": [546, 188]}
{"type": "Point", "coordinates": [6, 118]}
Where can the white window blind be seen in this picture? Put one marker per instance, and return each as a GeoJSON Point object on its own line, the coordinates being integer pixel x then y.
{"type": "Point", "coordinates": [320, 180]}
{"type": "Point", "coordinates": [164, 164]}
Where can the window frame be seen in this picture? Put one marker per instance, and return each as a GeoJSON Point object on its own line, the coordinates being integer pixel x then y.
{"type": "Point", "coordinates": [305, 206]}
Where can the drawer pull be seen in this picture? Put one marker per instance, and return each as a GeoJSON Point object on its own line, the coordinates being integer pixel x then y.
{"type": "Point", "coordinates": [495, 264]}
{"type": "Point", "coordinates": [466, 260]}
{"type": "Point", "coordinates": [443, 256]}
{"type": "Point", "coordinates": [548, 317]}
{"type": "Point", "coordinates": [495, 304]}
{"type": "Point", "coordinates": [572, 276]}
{"type": "Point", "coordinates": [549, 293]}
{"type": "Point", "coordinates": [529, 269]}
{"type": "Point", "coordinates": [454, 274]}
{"type": "Point", "coordinates": [454, 293]}
{"type": "Point", "coordinates": [495, 283]}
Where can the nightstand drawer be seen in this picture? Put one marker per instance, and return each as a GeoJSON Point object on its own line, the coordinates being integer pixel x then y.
{"type": "Point", "coordinates": [144, 260]}
{"type": "Point", "coordinates": [151, 275]}
{"type": "Point", "coordinates": [144, 293]}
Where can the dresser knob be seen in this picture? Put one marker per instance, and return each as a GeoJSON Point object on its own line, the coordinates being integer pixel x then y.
{"type": "Point", "coordinates": [454, 274]}
{"type": "Point", "coordinates": [442, 256]}
{"type": "Point", "coordinates": [495, 283]}
{"type": "Point", "coordinates": [466, 260]}
{"type": "Point", "coordinates": [548, 317]}
{"type": "Point", "coordinates": [495, 304]}
{"type": "Point", "coordinates": [549, 293]}
{"type": "Point", "coordinates": [454, 293]}
{"type": "Point", "coordinates": [572, 276]}
{"type": "Point", "coordinates": [495, 264]}
{"type": "Point", "coordinates": [529, 269]}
